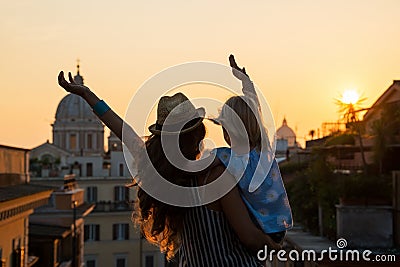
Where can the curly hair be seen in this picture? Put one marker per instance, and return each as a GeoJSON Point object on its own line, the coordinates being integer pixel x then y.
{"type": "Point", "coordinates": [160, 223]}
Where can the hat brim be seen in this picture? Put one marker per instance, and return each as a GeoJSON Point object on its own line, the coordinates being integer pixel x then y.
{"type": "Point", "coordinates": [201, 113]}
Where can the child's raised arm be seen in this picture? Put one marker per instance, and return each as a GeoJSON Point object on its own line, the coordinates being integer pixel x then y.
{"type": "Point", "coordinates": [247, 85]}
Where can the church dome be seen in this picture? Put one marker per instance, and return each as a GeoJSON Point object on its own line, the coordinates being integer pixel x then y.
{"type": "Point", "coordinates": [73, 107]}
{"type": "Point", "coordinates": [285, 132]}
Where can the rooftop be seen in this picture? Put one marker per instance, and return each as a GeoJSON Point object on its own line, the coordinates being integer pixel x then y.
{"type": "Point", "coordinates": [49, 230]}
{"type": "Point", "coordinates": [8, 193]}
{"type": "Point", "coordinates": [15, 148]}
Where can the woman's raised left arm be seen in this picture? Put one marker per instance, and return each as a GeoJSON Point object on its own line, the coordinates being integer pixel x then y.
{"type": "Point", "coordinates": [114, 122]}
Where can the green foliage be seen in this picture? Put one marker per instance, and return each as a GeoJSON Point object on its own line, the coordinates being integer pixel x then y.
{"type": "Point", "coordinates": [314, 186]}
{"type": "Point", "coordinates": [35, 166]}
{"type": "Point", "coordinates": [325, 184]}
{"type": "Point", "coordinates": [48, 162]}
{"type": "Point", "coordinates": [366, 189]}
{"type": "Point", "coordinates": [303, 201]}
{"type": "Point", "coordinates": [318, 185]}
{"type": "Point", "coordinates": [290, 167]}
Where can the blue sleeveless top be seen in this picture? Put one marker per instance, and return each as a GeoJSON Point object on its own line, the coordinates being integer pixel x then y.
{"type": "Point", "coordinates": [268, 204]}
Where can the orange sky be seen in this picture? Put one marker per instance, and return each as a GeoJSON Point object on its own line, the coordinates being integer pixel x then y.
{"type": "Point", "coordinates": [301, 54]}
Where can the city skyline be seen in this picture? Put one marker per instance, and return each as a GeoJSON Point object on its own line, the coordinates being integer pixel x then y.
{"type": "Point", "coordinates": [302, 55]}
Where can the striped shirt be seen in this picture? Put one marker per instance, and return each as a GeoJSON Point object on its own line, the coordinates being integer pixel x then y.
{"type": "Point", "coordinates": [209, 241]}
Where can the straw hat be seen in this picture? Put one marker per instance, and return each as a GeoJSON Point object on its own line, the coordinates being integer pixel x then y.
{"type": "Point", "coordinates": [179, 111]}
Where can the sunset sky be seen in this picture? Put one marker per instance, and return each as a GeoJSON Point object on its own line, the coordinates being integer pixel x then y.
{"type": "Point", "coordinates": [301, 54]}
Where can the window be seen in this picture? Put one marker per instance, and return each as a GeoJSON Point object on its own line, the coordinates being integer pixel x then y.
{"type": "Point", "coordinates": [90, 263]}
{"type": "Point", "coordinates": [121, 169]}
{"type": "Point", "coordinates": [89, 141]}
{"type": "Point", "coordinates": [121, 194]}
{"type": "Point", "coordinates": [92, 232]}
{"type": "Point", "coordinates": [149, 261]}
{"type": "Point", "coordinates": [91, 194]}
{"type": "Point", "coordinates": [72, 141]}
{"type": "Point", "coordinates": [58, 251]}
{"type": "Point", "coordinates": [89, 169]}
{"type": "Point", "coordinates": [18, 256]}
{"type": "Point", "coordinates": [120, 262]}
{"type": "Point", "coordinates": [121, 231]}
{"type": "Point", "coordinates": [90, 260]}
{"type": "Point", "coordinates": [2, 261]}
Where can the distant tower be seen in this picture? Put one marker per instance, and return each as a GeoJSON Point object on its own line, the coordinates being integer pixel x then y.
{"type": "Point", "coordinates": [114, 144]}
{"type": "Point", "coordinates": [76, 128]}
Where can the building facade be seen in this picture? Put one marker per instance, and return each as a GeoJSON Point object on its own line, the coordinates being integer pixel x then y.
{"type": "Point", "coordinates": [18, 199]}
{"type": "Point", "coordinates": [56, 230]}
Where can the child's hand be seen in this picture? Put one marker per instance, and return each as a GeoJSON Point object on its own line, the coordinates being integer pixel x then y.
{"type": "Point", "coordinates": [239, 73]}
{"type": "Point", "coordinates": [71, 86]}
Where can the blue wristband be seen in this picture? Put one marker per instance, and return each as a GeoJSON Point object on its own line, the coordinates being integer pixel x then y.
{"type": "Point", "coordinates": [100, 108]}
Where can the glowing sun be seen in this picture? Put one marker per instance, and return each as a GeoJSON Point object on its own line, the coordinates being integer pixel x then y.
{"type": "Point", "coordinates": [350, 97]}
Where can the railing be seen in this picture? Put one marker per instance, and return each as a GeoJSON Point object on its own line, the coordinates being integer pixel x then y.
{"type": "Point", "coordinates": [103, 206]}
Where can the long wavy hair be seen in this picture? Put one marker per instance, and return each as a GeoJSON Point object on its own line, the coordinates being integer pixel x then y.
{"type": "Point", "coordinates": [161, 224]}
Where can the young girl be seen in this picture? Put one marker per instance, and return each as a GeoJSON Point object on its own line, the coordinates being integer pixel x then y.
{"type": "Point", "coordinates": [250, 161]}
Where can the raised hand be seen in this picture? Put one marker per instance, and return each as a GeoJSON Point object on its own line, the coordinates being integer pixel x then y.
{"type": "Point", "coordinates": [72, 86]}
{"type": "Point", "coordinates": [248, 88]}
{"type": "Point", "coordinates": [236, 70]}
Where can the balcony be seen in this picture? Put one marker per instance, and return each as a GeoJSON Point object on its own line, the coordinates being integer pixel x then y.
{"type": "Point", "coordinates": [108, 206]}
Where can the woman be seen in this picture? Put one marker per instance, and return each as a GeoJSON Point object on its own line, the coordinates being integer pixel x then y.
{"type": "Point", "coordinates": [218, 234]}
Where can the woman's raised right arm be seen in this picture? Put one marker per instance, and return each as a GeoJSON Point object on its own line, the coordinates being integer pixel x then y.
{"type": "Point", "coordinates": [114, 122]}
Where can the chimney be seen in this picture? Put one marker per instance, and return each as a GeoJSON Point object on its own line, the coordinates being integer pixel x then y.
{"type": "Point", "coordinates": [69, 193]}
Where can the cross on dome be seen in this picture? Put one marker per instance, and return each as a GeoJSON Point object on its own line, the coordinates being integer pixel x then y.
{"type": "Point", "coordinates": [78, 78]}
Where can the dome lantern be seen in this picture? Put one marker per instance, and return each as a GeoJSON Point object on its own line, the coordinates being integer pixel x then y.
{"type": "Point", "coordinates": [78, 78]}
